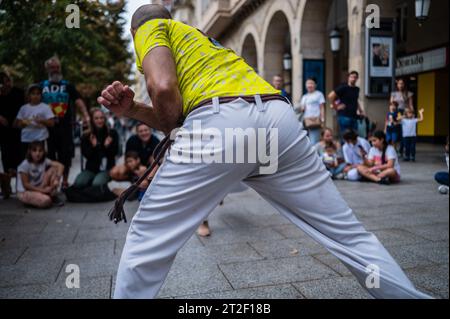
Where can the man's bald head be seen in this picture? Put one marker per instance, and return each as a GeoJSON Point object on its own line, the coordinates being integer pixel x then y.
{"type": "Point", "coordinates": [148, 12]}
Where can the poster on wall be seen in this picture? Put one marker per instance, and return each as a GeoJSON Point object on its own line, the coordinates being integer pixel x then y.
{"type": "Point", "coordinates": [381, 57]}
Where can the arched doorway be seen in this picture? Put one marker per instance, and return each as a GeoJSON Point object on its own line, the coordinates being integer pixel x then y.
{"type": "Point", "coordinates": [319, 18]}
{"type": "Point", "coordinates": [249, 52]}
{"type": "Point", "coordinates": [277, 46]}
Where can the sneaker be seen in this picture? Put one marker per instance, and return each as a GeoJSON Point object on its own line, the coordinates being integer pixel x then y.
{"type": "Point", "coordinates": [443, 189]}
{"type": "Point", "coordinates": [57, 201]}
{"type": "Point", "coordinates": [406, 159]}
{"type": "Point", "coordinates": [385, 181]}
{"type": "Point", "coordinates": [340, 176]}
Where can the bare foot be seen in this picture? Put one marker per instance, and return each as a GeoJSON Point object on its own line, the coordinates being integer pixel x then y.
{"type": "Point", "coordinates": [203, 230]}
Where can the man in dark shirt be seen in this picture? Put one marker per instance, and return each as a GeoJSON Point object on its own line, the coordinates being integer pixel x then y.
{"type": "Point", "coordinates": [11, 99]}
{"type": "Point", "coordinates": [143, 143]}
{"type": "Point", "coordinates": [344, 99]}
{"type": "Point", "coordinates": [62, 98]}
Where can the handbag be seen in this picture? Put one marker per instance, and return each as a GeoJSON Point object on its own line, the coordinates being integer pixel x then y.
{"type": "Point", "coordinates": [312, 122]}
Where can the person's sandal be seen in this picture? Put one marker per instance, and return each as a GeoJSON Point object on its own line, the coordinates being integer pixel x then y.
{"type": "Point", "coordinates": [203, 230]}
{"type": "Point", "coordinates": [385, 181]}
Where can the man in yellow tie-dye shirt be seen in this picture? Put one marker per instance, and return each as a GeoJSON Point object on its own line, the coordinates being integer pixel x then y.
{"type": "Point", "coordinates": [214, 92]}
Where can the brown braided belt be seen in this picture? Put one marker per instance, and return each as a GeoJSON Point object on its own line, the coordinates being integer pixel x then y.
{"type": "Point", "coordinates": [117, 213]}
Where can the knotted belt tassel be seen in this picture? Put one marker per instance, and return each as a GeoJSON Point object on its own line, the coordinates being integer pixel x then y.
{"type": "Point", "coordinates": [117, 213]}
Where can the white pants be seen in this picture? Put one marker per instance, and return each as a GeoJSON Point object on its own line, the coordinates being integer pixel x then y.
{"type": "Point", "coordinates": [182, 195]}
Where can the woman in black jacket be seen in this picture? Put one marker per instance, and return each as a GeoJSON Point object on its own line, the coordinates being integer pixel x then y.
{"type": "Point", "coordinates": [100, 147]}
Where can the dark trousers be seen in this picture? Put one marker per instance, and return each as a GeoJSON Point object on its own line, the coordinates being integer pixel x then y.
{"type": "Point", "coordinates": [11, 157]}
{"type": "Point", "coordinates": [410, 147]}
{"type": "Point", "coordinates": [441, 178]}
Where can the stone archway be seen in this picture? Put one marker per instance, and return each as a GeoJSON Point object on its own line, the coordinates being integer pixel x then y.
{"type": "Point", "coordinates": [277, 43]}
{"type": "Point", "coordinates": [249, 51]}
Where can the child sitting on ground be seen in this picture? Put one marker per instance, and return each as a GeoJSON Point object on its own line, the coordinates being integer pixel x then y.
{"type": "Point", "coordinates": [39, 178]}
{"type": "Point", "coordinates": [132, 170]}
{"type": "Point", "coordinates": [409, 129]}
{"type": "Point", "coordinates": [381, 165]}
{"type": "Point", "coordinates": [334, 164]}
{"type": "Point", "coordinates": [442, 177]}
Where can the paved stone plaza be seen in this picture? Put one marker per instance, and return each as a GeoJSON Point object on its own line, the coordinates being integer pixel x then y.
{"type": "Point", "coordinates": [253, 251]}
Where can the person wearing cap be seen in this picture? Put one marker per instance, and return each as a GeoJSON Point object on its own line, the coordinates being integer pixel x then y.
{"type": "Point", "coordinates": [34, 118]}
{"type": "Point", "coordinates": [195, 82]}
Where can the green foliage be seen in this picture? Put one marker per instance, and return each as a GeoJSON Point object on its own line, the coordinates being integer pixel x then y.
{"type": "Point", "coordinates": [92, 56]}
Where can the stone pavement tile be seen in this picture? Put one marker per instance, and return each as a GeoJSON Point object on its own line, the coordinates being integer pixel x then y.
{"type": "Point", "coordinates": [437, 252]}
{"type": "Point", "coordinates": [99, 266]}
{"type": "Point", "coordinates": [39, 272]}
{"type": "Point", "coordinates": [9, 256]}
{"type": "Point", "coordinates": [408, 258]}
{"type": "Point", "coordinates": [435, 232]}
{"type": "Point", "coordinates": [402, 220]}
{"type": "Point", "coordinates": [434, 279]}
{"type": "Point", "coordinates": [43, 239]}
{"type": "Point", "coordinates": [61, 221]}
{"type": "Point", "coordinates": [287, 247]}
{"type": "Point", "coordinates": [69, 251]}
{"type": "Point", "coordinates": [239, 220]}
{"type": "Point", "coordinates": [112, 231]}
{"type": "Point", "coordinates": [397, 237]}
{"type": "Point", "coordinates": [290, 231]}
{"type": "Point", "coordinates": [275, 271]}
{"type": "Point", "coordinates": [7, 219]}
{"type": "Point", "coordinates": [238, 235]}
{"type": "Point", "coordinates": [284, 291]}
{"type": "Point", "coordinates": [332, 288]}
{"type": "Point", "coordinates": [334, 263]}
{"type": "Point", "coordinates": [93, 288]}
{"type": "Point", "coordinates": [13, 230]}
{"type": "Point", "coordinates": [229, 253]}
{"type": "Point", "coordinates": [193, 278]}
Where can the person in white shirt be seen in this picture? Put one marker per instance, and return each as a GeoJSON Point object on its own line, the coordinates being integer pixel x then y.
{"type": "Point", "coordinates": [355, 150]}
{"type": "Point", "coordinates": [381, 165]}
{"type": "Point", "coordinates": [34, 118]}
{"type": "Point", "coordinates": [313, 107]}
{"type": "Point", "coordinates": [409, 129]}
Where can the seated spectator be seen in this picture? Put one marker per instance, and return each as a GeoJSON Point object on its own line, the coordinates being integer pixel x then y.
{"type": "Point", "coordinates": [442, 177]}
{"type": "Point", "coordinates": [132, 171]}
{"type": "Point", "coordinates": [381, 165]}
{"type": "Point", "coordinates": [143, 143]}
{"type": "Point", "coordinates": [39, 178]}
{"type": "Point", "coordinates": [355, 150]}
{"type": "Point", "coordinates": [34, 118]}
{"type": "Point", "coordinates": [330, 152]}
{"type": "Point", "coordinates": [334, 164]}
{"type": "Point", "coordinates": [100, 147]}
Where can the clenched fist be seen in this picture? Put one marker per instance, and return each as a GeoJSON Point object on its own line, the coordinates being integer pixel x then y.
{"type": "Point", "coordinates": [117, 98]}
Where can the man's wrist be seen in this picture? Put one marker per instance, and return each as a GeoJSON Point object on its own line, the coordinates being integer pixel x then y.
{"type": "Point", "coordinates": [131, 111]}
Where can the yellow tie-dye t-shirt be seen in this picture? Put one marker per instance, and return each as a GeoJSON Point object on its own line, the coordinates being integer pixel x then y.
{"type": "Point", "coordinates": [205, 69]}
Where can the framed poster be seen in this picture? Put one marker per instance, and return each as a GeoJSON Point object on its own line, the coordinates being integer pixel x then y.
{"type": "Point", "coordinates": [381, 57]}
{"type": "Point", "coordinates": [314, 69]}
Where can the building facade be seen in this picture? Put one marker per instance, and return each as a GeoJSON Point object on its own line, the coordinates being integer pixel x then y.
{"type": "Point", "coordinates": [292, 38]}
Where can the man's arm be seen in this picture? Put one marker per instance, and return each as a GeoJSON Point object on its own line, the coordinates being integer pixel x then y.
{"type": "Point", "coordinates": [162, 85]}
{"type": "Point", "coordinates": [361, 110]}
{"type": "Point", "coordinates": [83, 109]}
